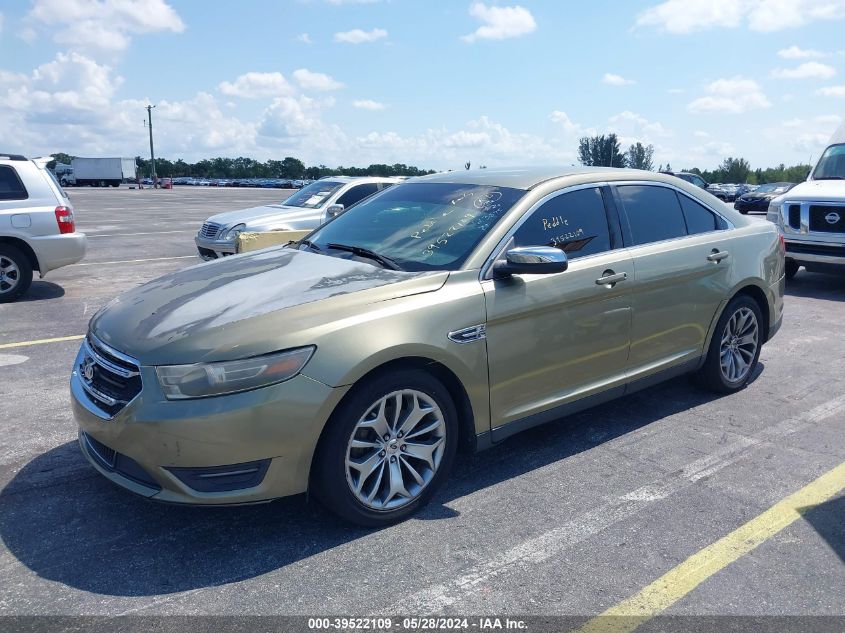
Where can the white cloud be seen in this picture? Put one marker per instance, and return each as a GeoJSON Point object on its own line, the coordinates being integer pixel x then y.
{"type": "Point", "coordinates": [686, 16]}
{"type": "Point", "coordinates": [499, 23]}
{"type": "Point", "coordinates": [807, 70]}
{"type": "Point", "coordinates": [831, 91]}
{"type": "Point", "coordinates": [106, 26]}
{"type": "Point", "coordinates": [793, 52]}
{"type": "Point", "coordinates": [616, 80]}
{"type": "Point", "coordinates": [806, 136]}
{"type": "Point", "coordinates": [568, 125]}
{"type": "Point", "coordinates": [303, 38]}
{"type": "Point", "coordinates": [701, 134]}
{"type": "Point", "coordinates": [630, 125]}
{"type": "Point", "coordinates": [309, 80]}
{"type": "Point", "coordinates": [732, 96]}
{"type": "Point", "coordinates": [359, 36]}
{"type": "Point", "coordinates": [254, 85]}
{"type": "Point", "coordinates": [368, 104]}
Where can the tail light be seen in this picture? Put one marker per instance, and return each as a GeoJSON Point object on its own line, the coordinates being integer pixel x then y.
{"type": "Point", "coordinates": [64, 217]}
{"type": "Point", "coordinates": [782, 243]}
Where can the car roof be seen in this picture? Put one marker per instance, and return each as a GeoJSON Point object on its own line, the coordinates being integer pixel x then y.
{"type": "Point", "coordinates": [346, 179]}
{"type": "Point", "coordinates": [529, 177]}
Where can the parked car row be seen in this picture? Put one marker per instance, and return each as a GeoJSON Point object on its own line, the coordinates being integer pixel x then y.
{"type": "Point", "coordinates": [265, 183]}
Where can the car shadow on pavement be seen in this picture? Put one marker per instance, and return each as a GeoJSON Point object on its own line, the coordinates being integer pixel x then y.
{"type": "Point", "coordinates": [68, 524]}
{"type": "Point", "coordinates": [42, 290]}
{"type": "Point", "coordinates": [828, 520]}
{"type": "Point", "coordinates": [817, 286]}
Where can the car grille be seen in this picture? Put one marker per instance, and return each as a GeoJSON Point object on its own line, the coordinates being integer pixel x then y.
{"type": "Point", "coordinates": [795, 216]}
{"type": "Point", "coordinates": [820, 216]}
{"type": "Point", "coordinates": [111, 379]}
{"type": "Point", "coordinates": [115, 462]}
{"type": "Point", "coordinates": [210, 230]}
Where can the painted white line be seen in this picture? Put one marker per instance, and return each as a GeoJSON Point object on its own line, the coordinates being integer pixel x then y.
{"type": "Point", "coordinates": [132, 234]}
{"type": "Point", "coordinates": [12, 359]}
{"type": "Point", "coordinates": [133, 261]}
{"type": "Point", "coordinates": [554, 542]}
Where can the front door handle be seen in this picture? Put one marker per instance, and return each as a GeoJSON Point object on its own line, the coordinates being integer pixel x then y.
{"type": "Point", "coordinates": [609, 278]}
{"type": "Point", "coordinates": [717, 256]}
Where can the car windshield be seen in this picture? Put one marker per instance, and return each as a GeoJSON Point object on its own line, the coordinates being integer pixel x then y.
{"type": "Point", "coordinates": [420, 226]}
{"type": "Point", "coordinates": [314, 195]}
{"type": "Point", "coordinates": [774, 187]}
{"type": "Point", "coordinates": [832, 164]}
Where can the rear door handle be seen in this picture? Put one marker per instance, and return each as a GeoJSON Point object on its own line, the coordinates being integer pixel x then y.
{"type": "Point", "coordinates": [717, 256]}
{"type": "Point", "coordinates": [610, 278]}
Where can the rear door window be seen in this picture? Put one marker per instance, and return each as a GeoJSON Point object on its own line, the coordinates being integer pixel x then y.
{"type": "Point", "coordinates": [654, 213]}
{"type": "Point", "coordinates": [575, 222]}
{"type": "Point", "coordinates": [11, 187]}
{"type": "Point", "coordinates": [699, 219]}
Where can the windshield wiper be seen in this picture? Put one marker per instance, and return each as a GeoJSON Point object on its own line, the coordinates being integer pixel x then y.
{"type": "Point", "coordinates": [360, 251]}
{"type": "Point", "coordinates": [829, 178]}
{"type": "Point", "coordinates": [310, 245]}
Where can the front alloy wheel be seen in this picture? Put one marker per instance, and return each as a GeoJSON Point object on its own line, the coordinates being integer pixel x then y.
{"type": "Point", "coordinates": [395, 449]}
{"type": "Point", "coordinates": [387, 447]}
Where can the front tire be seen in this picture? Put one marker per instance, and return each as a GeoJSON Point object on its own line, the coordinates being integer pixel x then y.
{"type": "Point", "coordinates": [735, 347]}
{"type": "Point", "coordinates": [387, 448]}
{"type": "Point", "coordinates": [15, 273]}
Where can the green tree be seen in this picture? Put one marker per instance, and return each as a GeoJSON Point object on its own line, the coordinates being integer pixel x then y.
{"type": "Point", "coordinates": [640, 156]}
{"type": "Point", "coordinates": [601, 151]}
{"type": "Point", "coordinates": [734, 170]}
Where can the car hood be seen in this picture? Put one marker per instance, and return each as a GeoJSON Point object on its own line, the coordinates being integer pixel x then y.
{"type": "Point", "coordinates": [260, 215]}
{"type": "Point", "coordinates": [249, 304]}
{"type": "Point", "coordinates": [821, 190]}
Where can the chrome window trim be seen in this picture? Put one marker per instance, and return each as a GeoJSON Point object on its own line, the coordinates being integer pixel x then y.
{"type": "Point", "coordinates": [486, 270]}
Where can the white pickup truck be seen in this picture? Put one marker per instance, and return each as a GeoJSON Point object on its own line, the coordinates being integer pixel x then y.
{"type": "Point", "coordinates": [811, 215]}
{"type": "Point", "coordinates": [37, 228]}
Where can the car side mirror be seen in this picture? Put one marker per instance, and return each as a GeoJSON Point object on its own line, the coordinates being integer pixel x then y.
{"type": "Point", "coordinates": [334, 210]}
{"type": "Point", "coordinates": [531, 260]}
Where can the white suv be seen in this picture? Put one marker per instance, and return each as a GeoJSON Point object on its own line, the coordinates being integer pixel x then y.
{"type": "Point", "coordinates": [37, 230]}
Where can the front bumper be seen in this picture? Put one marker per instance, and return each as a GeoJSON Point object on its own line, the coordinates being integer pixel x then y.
{"type": "Point", "coordinates": [819, 254]}
{"type": "Point", "coordinates": [176, 443]}
{"type": "Point", "coordinates": [55, 251]}
{"type": "Point", "coordinates": [214, 249]}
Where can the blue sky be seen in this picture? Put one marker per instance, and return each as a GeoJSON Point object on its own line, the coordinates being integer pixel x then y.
{"type": "Point", "coordinates": [433, 83]}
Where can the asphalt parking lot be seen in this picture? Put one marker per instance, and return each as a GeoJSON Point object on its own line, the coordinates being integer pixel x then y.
{"type": "Point", "coordinates": [568, 519]}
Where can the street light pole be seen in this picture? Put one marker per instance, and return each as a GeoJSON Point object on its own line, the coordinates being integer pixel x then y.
{"type": "Point", "coordinates": [152, 152]}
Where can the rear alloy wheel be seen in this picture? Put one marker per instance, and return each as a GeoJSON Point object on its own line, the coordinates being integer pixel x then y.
{"type": "Point", "coordinates": [735, 347]}
{"type": "Point", "coordinates": [389, 447]}
{"type": "Point", "coordinates": [15, 273]}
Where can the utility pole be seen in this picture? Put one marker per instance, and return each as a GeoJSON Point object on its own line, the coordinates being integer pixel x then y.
{"type": "Point", "coordinates": [152, 153]}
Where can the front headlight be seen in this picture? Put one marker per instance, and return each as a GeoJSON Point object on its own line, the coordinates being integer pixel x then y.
{"type": "Point", "coordinates": [232, 234]}
{"type": "Point", "coordinates": [214, 379]}
{"type": "Point", "coordinates": [773, 214]}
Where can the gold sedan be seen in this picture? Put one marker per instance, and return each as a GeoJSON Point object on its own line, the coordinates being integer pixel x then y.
{"type": "Point", "coordinates": [447, 312]}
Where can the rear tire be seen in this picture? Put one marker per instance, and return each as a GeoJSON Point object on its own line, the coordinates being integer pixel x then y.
{"type": "Point", "coordinates": [15, 273]}
{"type": "Point", "coordinates": [792, 268]}
{"type": "Point", "coordinates": [735, 347]}
{"type": "Point", "coordinates": [386, 449]}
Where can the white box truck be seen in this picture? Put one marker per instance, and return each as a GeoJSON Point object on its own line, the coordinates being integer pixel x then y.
{"type": "Point", "coordinates": [100, 172]}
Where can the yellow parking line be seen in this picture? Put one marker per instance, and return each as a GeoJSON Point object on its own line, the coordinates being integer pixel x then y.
{"type": "Point", "coordinates": [42, 341]}
{"type": "Point", "coordinates": [675, 584]}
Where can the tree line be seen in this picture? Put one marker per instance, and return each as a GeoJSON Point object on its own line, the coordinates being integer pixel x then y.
{"type": "Point", "coordinates": [605, 150]}
{"type": "Point", "coordinates": [602, 150]}
{"type": "Point", "coordinates": [288, 168]}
